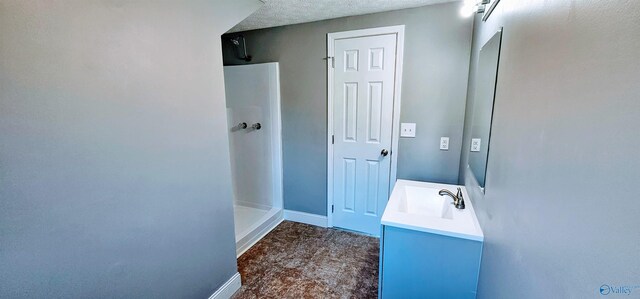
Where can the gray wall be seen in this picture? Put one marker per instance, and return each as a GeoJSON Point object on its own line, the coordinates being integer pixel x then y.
{"type": "Point", "coordinates": [560, 215]}
{"type": "Point", "coordinates": [437, 47]}
{"type": "Point", "coordinates": [114, 162]}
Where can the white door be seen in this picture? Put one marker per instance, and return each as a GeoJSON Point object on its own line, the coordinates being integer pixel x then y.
{"type": "Point", "coordinates": [363, 95]}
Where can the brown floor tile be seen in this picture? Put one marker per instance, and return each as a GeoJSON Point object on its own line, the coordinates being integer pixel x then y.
{"type": "Point", "coordinates": [302, 261]}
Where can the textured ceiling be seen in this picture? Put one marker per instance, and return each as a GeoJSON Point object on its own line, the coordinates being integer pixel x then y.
{"type": "Point", "coordinates": [285, 12]}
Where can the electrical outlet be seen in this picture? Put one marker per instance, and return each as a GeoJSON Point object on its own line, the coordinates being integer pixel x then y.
{"type": "Point", "coordinates": [444, 143]}
{"type": "Point", "coordinates": [408, 130]}
{"type": "Point", "coordinates": [475, 144]}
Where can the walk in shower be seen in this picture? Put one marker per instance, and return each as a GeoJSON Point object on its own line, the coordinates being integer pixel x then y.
{"type": "Point", "coordinates": [253, 113]}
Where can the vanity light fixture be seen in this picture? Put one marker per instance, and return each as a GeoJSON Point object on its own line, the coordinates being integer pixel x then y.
{"type": "Point", "coordinates": [473, 6]}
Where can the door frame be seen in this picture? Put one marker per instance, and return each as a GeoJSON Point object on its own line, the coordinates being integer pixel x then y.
{"type": "Point", "coordinates": [395, 129]}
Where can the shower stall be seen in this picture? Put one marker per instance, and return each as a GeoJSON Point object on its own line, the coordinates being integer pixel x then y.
{"type": "Point", "coordinates": [253, 113]}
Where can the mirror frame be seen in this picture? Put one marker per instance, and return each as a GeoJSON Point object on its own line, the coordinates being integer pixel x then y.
{"type": "Point", "coordinates": [493, 104]}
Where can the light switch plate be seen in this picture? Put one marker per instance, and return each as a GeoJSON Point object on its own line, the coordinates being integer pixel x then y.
{"type": "Point", "coordinates": [444, 143]}
{"type": "Point", "coordinates": [475, 144]}
{"type": "Point", "coordinates": [408, 130]}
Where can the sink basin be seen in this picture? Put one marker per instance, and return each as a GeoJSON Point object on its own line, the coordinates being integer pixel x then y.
{"type": "Point", "coordinates": [426, 202]}
{"type": "Point", "coordinates": [418, 206]}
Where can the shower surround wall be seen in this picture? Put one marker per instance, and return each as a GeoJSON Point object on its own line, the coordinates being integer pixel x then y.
{"type": "Point", "coordinates": [256, 160]}
{"type": "Point", "coordinates": [437, 47]}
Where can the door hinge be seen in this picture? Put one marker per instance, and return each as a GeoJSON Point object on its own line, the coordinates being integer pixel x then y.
{"type": "Point", "coordinates": [333, 61]}
{"type": "Point", "coordinates": [333, 139]}
{"type": "Point", "coordinates": [331, 209]}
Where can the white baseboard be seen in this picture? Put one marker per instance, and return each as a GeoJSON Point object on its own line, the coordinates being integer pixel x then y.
{"type": "Point", "coordinates": [228, 288]}
{"type": "Point", "coordinates": [302, 217]}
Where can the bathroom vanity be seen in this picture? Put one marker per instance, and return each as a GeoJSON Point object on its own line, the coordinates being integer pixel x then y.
{"type": "Point", "coordinates": [428, 248]}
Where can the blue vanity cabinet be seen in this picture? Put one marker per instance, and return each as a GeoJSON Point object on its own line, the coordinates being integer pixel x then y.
{"type": "Point", "coordinates": [416, 264]}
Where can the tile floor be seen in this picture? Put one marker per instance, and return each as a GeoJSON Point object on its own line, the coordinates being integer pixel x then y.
{"type": "Point", "coordinates": [302, 261]}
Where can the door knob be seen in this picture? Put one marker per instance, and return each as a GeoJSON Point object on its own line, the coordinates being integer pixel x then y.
{"type": "Point", "coordinates": [384, 152]}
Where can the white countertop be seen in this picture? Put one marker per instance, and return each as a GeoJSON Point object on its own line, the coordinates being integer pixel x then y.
{"type": "Point", "coordinates": [417, 206]}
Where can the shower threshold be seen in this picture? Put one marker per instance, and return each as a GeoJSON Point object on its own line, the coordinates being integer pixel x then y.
{"type": "Point", "coordinates": [252, 224]}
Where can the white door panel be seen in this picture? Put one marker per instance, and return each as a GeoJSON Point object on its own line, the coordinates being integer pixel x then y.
{"type": "Point", "coordinates": [362, 120]}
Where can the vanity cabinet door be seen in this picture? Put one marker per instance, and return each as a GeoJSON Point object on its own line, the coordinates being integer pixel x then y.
{"type": "Point", "coordinates": [424, 265]}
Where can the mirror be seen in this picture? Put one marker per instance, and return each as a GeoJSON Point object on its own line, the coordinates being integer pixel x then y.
{"type": "Point", "coordinates": [486, 78]}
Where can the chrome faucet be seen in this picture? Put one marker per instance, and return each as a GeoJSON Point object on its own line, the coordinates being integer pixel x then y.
{"type": "Point", "coordinates": [458, 200]}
